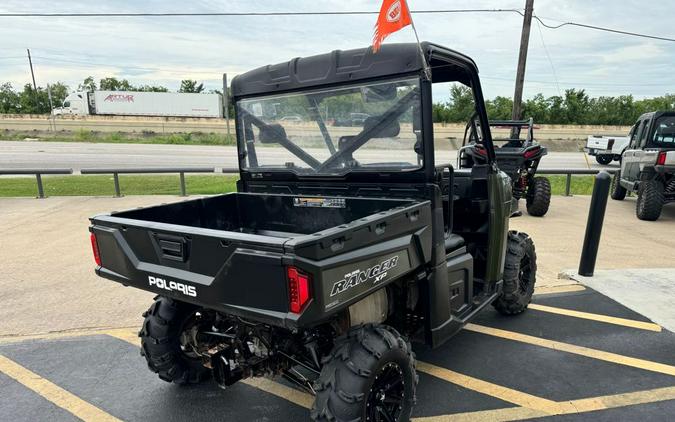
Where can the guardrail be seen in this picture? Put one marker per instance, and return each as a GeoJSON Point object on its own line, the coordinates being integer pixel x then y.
{"type": "Point", "coordinates": [231, 170]}
{"type": "Point", "coordinates": [570, 172]}
{"type": "Point", "coordinates": [180, 170]}
{"type": "Point", "coordinates": [38, 175]}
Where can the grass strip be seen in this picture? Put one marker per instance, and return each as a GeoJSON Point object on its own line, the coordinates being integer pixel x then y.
{"type": "Point", "coordinates": [102, 185]}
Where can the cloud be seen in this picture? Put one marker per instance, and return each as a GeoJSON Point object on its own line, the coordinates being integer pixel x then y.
{"type": "Point", "coordinates": [166, 50]}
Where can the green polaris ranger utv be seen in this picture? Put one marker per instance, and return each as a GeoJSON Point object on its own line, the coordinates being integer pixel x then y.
{"type": "Point", "coordinates": [342, 245]}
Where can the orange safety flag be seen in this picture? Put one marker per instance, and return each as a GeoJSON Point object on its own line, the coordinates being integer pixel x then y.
{"type": "Point", "coordinates": [393, 16]}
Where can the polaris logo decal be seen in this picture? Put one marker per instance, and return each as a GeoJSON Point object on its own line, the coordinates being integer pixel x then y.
{"type": "Point", "coordinates": [172, 286]}
{"type": "Point", "coordinates": [377, 273]}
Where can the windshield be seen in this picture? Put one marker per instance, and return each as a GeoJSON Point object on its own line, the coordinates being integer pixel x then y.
{"type": "Point", "coordinates": [664, 132]}
{"type": "Point", "coordinates": [365, 127]}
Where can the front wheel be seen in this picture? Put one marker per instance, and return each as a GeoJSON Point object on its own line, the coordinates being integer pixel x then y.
{"type": "Point", "coordinates": [520, 275]}
{"type": "Point", "coordinates": [539, 197]}
{"type": "Point", "coordinates": [604, 159]}
{"type": "Point", "coordinates": [650, 200]}
{"type": "Point", "coordinates": [369, 376]}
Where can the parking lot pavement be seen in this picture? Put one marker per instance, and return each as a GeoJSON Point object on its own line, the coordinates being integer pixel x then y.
{"type": "Point", "coordinates": [576, 355]}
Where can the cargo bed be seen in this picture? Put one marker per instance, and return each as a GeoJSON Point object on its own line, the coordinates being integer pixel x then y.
{"type": "Point", "coordinates": [230, 252]}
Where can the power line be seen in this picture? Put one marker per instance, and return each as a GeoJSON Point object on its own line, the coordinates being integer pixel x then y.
{"type": "Point", "coordinates": [602, 28]}
{"type": "Point", "coordinates": [193, 14]}
{"type": "Point", "coordinates": [150, 69]}
{"type": "Point", "coordinates": [555, 75]}
{"type": "Point", "coordinates": [326, 13]}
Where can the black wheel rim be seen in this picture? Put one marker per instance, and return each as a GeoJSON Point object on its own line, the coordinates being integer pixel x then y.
{"type": "Point", "coordinates": [386, 395]}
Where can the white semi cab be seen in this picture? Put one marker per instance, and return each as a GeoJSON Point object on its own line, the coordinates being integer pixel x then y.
{"type": "Point", "coordinates": [606, 148]}
{"type": "Point", "coordinates": [134, 103]}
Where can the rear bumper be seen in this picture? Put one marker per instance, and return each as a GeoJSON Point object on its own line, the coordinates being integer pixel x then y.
{"type": "Point", "coordinates": [595, 151]}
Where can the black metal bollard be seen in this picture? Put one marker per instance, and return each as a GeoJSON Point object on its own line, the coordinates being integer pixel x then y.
{"type": "Point", "coordinates": [596, 216]}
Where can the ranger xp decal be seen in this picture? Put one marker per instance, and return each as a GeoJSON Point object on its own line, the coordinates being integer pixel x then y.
{"type": "Point", "coordinates": [376, 273]}
{"type": "Point", "coordinates": [172, 286]}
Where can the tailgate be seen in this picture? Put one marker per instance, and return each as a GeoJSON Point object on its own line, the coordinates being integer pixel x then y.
{"type": "Point", "coordinates": [197, 265]}
{"type": "Point", "coordinates": [597, 142]}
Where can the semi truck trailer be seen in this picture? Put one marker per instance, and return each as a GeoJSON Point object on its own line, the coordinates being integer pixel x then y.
{"type": "Point", "coordinates": [133, 103]}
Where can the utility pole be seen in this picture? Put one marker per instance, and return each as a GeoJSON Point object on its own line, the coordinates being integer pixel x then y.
{"type": "Point", "coordinates": [32, 75]}
{"type": "Point", "coordinates": [516, 114]}
{"type": "Point", "coordinates": [51, 106]}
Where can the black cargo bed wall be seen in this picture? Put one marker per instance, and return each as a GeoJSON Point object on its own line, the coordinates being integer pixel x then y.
{"type": "Point", "coordinates": [242, 212]}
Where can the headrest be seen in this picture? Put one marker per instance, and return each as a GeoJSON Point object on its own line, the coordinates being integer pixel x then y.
{"type": "Point", "coordinates": [273, 133]}
{"type": "Point", "coordinates": [389, 131]}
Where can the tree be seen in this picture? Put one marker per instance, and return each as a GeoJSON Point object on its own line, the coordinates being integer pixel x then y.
{"type": "Point", "coordinates": [113, 84]}
{"type": "Point", "coordinates": [87, 85]}
{"type": "Point", "coordinates": [59, 92]}
{"type": "Point", "coordinates": [9, 100]}
{"type": "Point", "coordinates": [150, 88]}
{"type": "Point", "coordinates": [188, 85]}
{"type": "Point", "coordinates": [499, 108]}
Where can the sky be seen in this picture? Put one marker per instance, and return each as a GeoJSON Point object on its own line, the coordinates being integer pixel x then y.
{"type": "Point", "coordinates": [164, 50]}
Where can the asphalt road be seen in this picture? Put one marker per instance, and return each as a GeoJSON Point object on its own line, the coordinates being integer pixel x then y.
{"type": "Point", "coordinates": [27, 154]}
{"type": "Point", "coordinates": [575, 356]}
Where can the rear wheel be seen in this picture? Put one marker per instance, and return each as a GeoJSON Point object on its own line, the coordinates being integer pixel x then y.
{"type": "Point", "coordinates": [166, 341]}
{"type": "Point", "coordinates": [539, 197]}
{"type": "Point", "coordinates": [604, 159]}
{"type": "Point", "coordinates": [650, 200]}
{"type": "Point", "coordinates": [618, 191]}
{"type": "Point", "coordinates": [369, 376]}
{"type": "Point", "coordinates": [520, 275]}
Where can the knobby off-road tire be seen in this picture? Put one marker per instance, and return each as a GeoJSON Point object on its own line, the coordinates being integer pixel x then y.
{"type": "Point", "coordinates": [520, 274]}
{"type": "Point", "coordinates": [539, 197]}
{"type": "Point", "coordinates": [160, 342]}
{"type": "Point", "coordinates": [604, 159]}
{"type": "Point", "coordinates": [618, 192]}
{"type": "Point", "coordinates": [370, 368]}
{"type": "Point", "coordinates": [650, 200]}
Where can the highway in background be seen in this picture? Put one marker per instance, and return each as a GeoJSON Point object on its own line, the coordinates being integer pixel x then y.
{"type": "Point", "coordinates": [28, 154]}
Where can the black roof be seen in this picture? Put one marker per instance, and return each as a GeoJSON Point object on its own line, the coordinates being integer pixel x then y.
{"type": "Point", "coordinates": [342, 66]}
{"type": "Point", "coordinates": [656, 114]}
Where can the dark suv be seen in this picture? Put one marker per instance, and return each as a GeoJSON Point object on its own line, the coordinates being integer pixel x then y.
{"type": "Point", "coordinates": [648, 164]}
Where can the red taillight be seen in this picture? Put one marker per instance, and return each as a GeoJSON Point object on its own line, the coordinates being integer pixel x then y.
{"type": "Point", "coordinates": [298, 289]}
{"type": "Point", "coordinates": [94, 248]}
{"type": "Point", "coordinates": [661, 159]}
{"type": "Point", "coordinates": [532, 152]}
{"type": "Point", "coordinates": [481, 150]}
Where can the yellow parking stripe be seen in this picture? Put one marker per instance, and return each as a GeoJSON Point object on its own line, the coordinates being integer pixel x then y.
{"type": "Point", "coordinates": [577, 350]}
{"type": "Point", "coordinates": [287, 393]}
{"type": "Point", "coordinates": [59, 335]}
{"type": "Point", "coordinates": [505, 414]}
{"type": "Point", "coordinates": [570, 407]}
{"type": "Point", "coordinates": [55, 394]}
{"type": "Point", "coordinates": [625, 399]}
{"type": "Point", "coordinates": [649, 326]}
{"type": "Point", "coordinates": [503, 393]}
{"type": "Point", "coordinates": [568, 288]}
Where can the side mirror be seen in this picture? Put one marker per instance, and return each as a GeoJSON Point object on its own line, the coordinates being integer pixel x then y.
{"type": "Point", "coordinates": [272, 134]}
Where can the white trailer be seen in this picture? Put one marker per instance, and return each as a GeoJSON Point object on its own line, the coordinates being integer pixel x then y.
{"type": "Point", "coordinates": [133, 103]}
